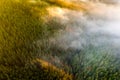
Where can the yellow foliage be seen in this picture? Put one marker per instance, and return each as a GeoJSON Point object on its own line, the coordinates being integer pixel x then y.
{"type": "Point", "coordinates": [52, 69]}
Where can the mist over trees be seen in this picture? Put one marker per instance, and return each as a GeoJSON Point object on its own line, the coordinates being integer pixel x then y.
{"type": "Point", "coordinates": [58, 40]}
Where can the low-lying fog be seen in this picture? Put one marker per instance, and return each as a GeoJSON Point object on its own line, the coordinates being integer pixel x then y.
{"type": "Point", "coordinates": [96, 33]}
{"type": "Point", "coordinates": [99, 27]}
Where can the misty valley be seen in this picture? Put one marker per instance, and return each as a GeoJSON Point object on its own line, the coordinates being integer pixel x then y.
{"type": "Point", "coordinates": [59, 40]}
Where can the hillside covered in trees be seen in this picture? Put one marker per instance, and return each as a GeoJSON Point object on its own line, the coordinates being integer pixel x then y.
{"type": "Point", "coordinates": [59, 40]}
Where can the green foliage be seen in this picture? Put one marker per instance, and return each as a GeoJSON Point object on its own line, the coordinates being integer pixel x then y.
{"type": "Point", "coordinates": [22, 24]}
{"type": "Point", "coordinates": [20, 27]}
{"type": "Point", "coordinates": [94, 63]}
{"type": "Point", "coordinates": [35, 71]}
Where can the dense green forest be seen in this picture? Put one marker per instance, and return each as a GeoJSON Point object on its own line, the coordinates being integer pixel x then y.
{"type": "Point", "coordinates": [21, 24]}
{"type": "Point", "coordinates": [26, 29]}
